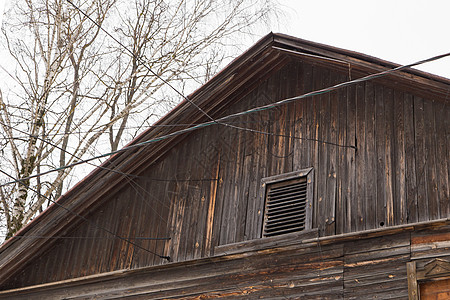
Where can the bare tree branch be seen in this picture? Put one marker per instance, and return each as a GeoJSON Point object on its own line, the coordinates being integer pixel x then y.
{"type": "Point", "coordinates": [73, 88]}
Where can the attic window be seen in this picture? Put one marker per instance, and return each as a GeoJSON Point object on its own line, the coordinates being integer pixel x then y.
{"type": "Point", "coordinates": [288, 203]}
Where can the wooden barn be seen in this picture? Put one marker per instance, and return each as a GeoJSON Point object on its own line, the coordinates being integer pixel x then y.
{"type": "Point", "coordinates": [339, 194]}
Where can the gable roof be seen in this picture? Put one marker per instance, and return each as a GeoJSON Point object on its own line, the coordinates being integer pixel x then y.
{"type": "Point", "coordinates": [268, 54]}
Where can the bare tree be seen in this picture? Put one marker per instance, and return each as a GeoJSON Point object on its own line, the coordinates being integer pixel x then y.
{"type": "Point", "coordinates": [72, 87]}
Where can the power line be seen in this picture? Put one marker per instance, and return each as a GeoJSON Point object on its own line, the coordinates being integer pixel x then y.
{"type": "Point", "coordinates": [159, 139]}
{"type": "Point", "coordinates": [88, 237]}
{"type": "Point", "coordinates": [102, 167]}
{"type": "Point", "coordinates": [332, 88]}
{"type": "Point", "coordinates": [135, 185]}
{"type": "Point", "coordinates": [289, 136]}
{"type": "Point", "coordinates": [141, 61]}
{"type": "Point", "coordinates": [127, 176]}
{"type": "Point", "coordinates": [59, 148]}
{"type": "Point", "coordinates": [221, 120]}
{"type": "Point", "coordinates": [89, 221]}
{"type": "Point", "coordinates": [127, 128]}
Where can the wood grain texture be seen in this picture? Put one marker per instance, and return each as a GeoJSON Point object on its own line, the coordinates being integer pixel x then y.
{"type": "Point", "coordinates": [374, 267]}
{"type": "Point", "coordinates": [204, 192]}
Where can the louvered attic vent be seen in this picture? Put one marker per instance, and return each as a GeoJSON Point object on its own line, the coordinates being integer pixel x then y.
{"type": "Point", "coordinates": [287, 208]}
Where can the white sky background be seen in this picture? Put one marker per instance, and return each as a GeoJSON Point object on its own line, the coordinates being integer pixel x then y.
{"type": "Point", "coordinates": [2, 5]}
{"type": "Point", "coordinates": [400, 31]}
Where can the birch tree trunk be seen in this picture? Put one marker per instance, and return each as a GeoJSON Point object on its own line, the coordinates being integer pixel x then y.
{"type": "Point", "coordinates": [71, 89]}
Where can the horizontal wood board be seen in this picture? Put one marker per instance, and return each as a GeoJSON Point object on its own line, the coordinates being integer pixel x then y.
{"type": "Point", "coordinates": [362, 268]}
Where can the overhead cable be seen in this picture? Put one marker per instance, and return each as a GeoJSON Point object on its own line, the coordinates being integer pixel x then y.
{"type": "Point", "coordinates": [88, 237]}
{"type": "Point", "coordinates": [89, 221]}
{"type": "Point", "coordinates": [221, 120]}
{"type": "Point", "coordinates": [141, 61]}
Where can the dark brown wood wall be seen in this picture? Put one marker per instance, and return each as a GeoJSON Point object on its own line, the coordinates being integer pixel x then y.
{"type": "Point", "coordinates": [397, 174]}
{"type": "Point", "coordinates": [206, 191]}
{"type": "Point", "coordinates": [364, 266]}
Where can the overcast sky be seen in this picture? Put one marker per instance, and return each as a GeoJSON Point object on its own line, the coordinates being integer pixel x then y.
{"type": "Point", "coordinates": [401, 31]}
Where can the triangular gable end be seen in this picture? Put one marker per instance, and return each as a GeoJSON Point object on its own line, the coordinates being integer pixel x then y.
{"type": "Point", "coordinates": [237, 80]}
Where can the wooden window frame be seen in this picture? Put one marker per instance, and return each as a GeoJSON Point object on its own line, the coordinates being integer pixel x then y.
{"type": "Point", "coordinates": [437, 269]}
{"type": "Point", "coordinates": [309, 175]}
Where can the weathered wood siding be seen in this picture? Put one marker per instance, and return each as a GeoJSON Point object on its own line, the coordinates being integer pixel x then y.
{"type": "Point", "coordinates": [363, 266]}
{"type": "Point", "coordinates": [380, 158]}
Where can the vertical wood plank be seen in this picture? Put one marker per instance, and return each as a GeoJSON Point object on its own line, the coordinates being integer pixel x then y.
{"type": "Point", "coordinates": [220, 195]}
{"type": "Point", "coordinates": [380, 132]}
{"type": "Point", "coordinates": [43, 271]}
{"type": "Point", "coordinates": [421, 160]}
{"type": "Point", "coordinates": [208, 242]}
{"type": "Point", "coordinates": [360, 197]}
{"type": "Point", "coordinates": [290, 141]}
{"type": "Point", "coordinates": [313, 128]}
{"type": "Point", "coordinates": [117, 226]}
{"type": "Point", "coordinates": [322, 149]}
{"type": "Point", "coordinates": [442, 116]}
{"type": "Point", "coordinates": [147, 194]}
{"type": "Point", "coordinates": [278, 124]}
{"type": "Point", "coordinates": [430, 148]}
{"type": "Point", "coordinates": [310, 113]}
{"type": "Point", "coordinates": [389, 150]}
{"type": "Point", "coordinates": [170, 223]}
{"type": "Point", "coordinates": [410, 160]}
{"type": "Point", "coordinates": [400, 214]}
{"type": "Point", "coordinates": [242, 209]}
{"type": "Point", "coordinates": [206, 174]}
{"type": "Point", "coordinates": [274, 114]}
{"type": "Point", "coordinates": [412, 281]}
{"type": "Point", "coordinates": [178, 201]}
{"type": "Point", "coordinates": [136, 199]}
{"type": "Point", "coordinates": [230, 143]}
{"type": "Point", "coordinates": [23, 277]}
{"type": "Point", "coordinates": [98, 239]}
{"type": "Point", "coordinates": [141, 222]}
{"type": "Point", "coordinates": [159, 211]}
{"type": "Point", "coordinates": [342, 170]}
{"type": "Point", "coordinates": [54, 269]}
{"type": "Point", "coordinates": [36, 271]}
{"type": "Point", "coordinates": [247, 215]}
{"type": "Point", "coordinates": [103, 262]}
{"type": "Point", "coordinates": [149, 215]}
{"type": "Point", "coordinates": [300, 156]}
{"type": "Point", "coordinates": [141, 218]}
{"type": "Point", "coordinates": [242, 183]}
{"type": "Point", "coordinates": [224, 187]}
{"type": "Point", "coordinates": [79, 262]}
{"type": "Point", "coordinates": [126, 220]}
{"type": "Point", "coordinates": [68, 254]}
{"type": "Point", "coordinates": [289, 91]}
{"type": "Point", "coordinates": [192, 196]}
{"type": "Point", "coordinates": [254, 148]}
{"type": "Point", "coordinates": [371, 158]}
{"type": "Point", "coordinates": [234, 196]}
{"type": "Point", "coordinates": [350, 160]}
{"type": "Point", "coordinates": [194, 200]}
{"type": "Point", "coordinates": [259, 166]}
{"type": "Point", "coordinates": [192, 244]}
{"type": "Point", "coordinates": [251, 155]}
{"type": "Point", "coordinates": [333, 124]}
